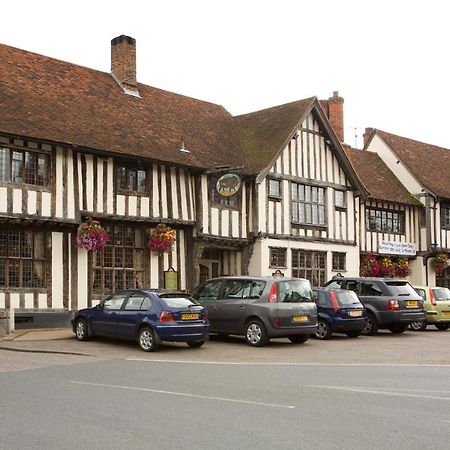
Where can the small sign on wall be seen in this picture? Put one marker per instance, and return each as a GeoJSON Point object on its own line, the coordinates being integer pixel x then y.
{"type": "Point", "coordinates": [228, 184]}
{"type": "Point", "coordinates": [397, 248]}
{"type": "Point", "coordinates": [171, 279]}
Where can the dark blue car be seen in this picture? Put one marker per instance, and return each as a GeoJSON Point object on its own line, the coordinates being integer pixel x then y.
{"type": "Point", "coordinates": [338, 311]}
{"type": "Point", "coordinates": [146, 315]}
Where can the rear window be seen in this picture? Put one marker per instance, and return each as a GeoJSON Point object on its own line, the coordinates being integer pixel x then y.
{"type": "Point", "coordinates": [401, 289]}
{"type": "Point", "coordinates": [347, 298]}
{"type": "Point", "coordinates": [178, 301]}
{"type": "Point", "coordinates": [294, 291]}
{"type": "Point", "coordinates": [441, 295]}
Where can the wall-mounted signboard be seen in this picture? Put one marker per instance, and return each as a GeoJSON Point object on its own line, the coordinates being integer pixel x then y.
{"type": "Point", "coordinates": [397, 248]}
{"type": "Point", "coordinates": [228, 184]}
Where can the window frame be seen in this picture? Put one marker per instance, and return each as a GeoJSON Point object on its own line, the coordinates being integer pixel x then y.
{"type": "Point", "coordinates": [338, 267]}
{"type": "Point", "coordinates": [382, 215]}
{"type": "Point", "coordinates": [311, 271]}
{"type": "Point", "coordinates": [30, 163]}
{"type": "Point", "coordinates": [122, 181]}
{"type": "Point", "coordinates": [344, 200]}
{"type": "Point", "coordinates": [34, 262]}
{"type": "Point", "coordinates": [300, 205]}
{"type": "Point", "coordinates": [445, 216]}
{"type": "Point", "coordinates": [277, 196]}
{"type": "Point", "coordinates": [274, 259]}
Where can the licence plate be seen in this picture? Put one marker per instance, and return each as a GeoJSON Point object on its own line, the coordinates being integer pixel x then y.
{"type": "Point", "coordinates": [411, 304]}
{"type": "Point", "coordinates": [299, 318]}
{"type": "Point", "coordinates": [355, 313]}
{"type": "Point", "coordinates": [189, 316]}
{"type": "Point", "coordinates": [446, 313]}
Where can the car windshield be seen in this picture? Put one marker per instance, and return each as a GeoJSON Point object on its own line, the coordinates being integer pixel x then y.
{"type": "Point", "coordinates": [402, 289]}
{"type": "Point", "coordinates": [442, 294]}
{"type": "Point", "coordinates": [347, 298]}
{"type": "Point", "coordinates": [178, 301]}
{"type": "Point", "coordinates": [294, 291]}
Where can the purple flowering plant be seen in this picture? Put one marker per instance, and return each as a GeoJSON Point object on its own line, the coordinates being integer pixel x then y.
{"type": "Point", "coordinates": [91, 235]}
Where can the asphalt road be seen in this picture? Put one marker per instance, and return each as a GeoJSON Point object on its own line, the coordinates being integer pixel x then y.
{"type": "Point", "coordinates": [226, 395]}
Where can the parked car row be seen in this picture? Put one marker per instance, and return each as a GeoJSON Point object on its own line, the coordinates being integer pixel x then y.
{"type": "Point", "coordinates": [262, 308]}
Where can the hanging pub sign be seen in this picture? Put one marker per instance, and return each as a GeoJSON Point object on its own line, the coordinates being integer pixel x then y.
{"type": "Point", "coordinates": [228, 184]}
{"type": "Point", "coordinates": [171, 279]}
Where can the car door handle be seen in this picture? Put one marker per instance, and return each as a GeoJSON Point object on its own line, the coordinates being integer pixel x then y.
{"type": "Point", "coordinates": [242, 307]}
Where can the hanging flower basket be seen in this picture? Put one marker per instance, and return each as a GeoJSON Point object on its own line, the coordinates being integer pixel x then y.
{"type": "Point", "coordinates": [386, 266]}
{"type": "Point", "coordinates": [91, 235]}
{"type": "Point", "coordinates": [439, 263]}
{"type": "Point", "coordinates": [161, 239]}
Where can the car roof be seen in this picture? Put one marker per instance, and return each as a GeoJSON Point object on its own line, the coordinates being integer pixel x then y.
{"type": "Point", "coordinates": [369, 279]}
{"type": "Point", "coordinates": [151, 290]}
{"type": "Point", "coordinates": [259, 277]}
{"type": "Point", "coordinates": [331, 289]}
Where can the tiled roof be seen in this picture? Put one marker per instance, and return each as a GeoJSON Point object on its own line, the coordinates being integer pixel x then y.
{"type": "Point", "coordinates": [377, 178]}
{"type": "Point", "coordinates": [428, 163]}
{"type": "Point", "coordinates": [49, 99]}
{"type": "Point", "coordinates": [264, 133]}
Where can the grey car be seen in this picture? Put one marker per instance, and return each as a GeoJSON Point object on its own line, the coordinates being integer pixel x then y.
{"type": "Point", "coordinates": [390, 303]}
{"type": "Point", "coordinates": [259, 308]}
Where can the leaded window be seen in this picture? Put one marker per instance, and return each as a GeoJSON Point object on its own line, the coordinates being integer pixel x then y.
{"type": "Point", "coordinates": [22, 258]}
{"type": "Point", "coordinates": [445, 216]}
{"type": "Point", "coordinates": [308, 204]}
{"type": "Point", "coordinates": [311, 265]}
{"type": "Point", "coordinates": [131, 179]}
{"type": "Point", "coordinates": [277, 257]}
{"type": "Point", "coordinates": [385, 220]}
{"type": "Point", "coordinates": [121, 264]}
{"type": "Point", "coordinates": [339, 261]}
{"type": "Point", "coordinates": [23, 167]}
{"type": "Point", "coordinates": [274, 188]}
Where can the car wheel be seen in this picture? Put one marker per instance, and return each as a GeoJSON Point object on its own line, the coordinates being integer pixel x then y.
{"type": "Point", "coordinates": [353, 334]}
{"type": "Point", "coordinates": [299, 339]}
{"type": "Point", "coordinates": [371, 326]}
{"type": "Point", "coordinates": [147, 340]}
{"type": "Point", "coordinates": [195, 344]}
{"type": "Point", "coordinates": [398, 329]}
{"type": "Point", "coordinates": [81, 330]}
{"type": "Point", "coordinates": [420, 325]}
{"type": "Point", "coordinates": [323, 330]}
{"type": "Point", "coordinates": [256, 334]}
{"type": "Point", "coordinates": [442, 326]}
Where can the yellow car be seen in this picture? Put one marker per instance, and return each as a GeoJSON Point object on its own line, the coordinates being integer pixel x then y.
{"type": "Point", "coordinates": [437, 308]}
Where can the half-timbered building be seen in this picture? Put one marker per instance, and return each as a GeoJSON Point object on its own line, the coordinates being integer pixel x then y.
{"type": "Point", "coordinates": [389, 218]}
{"type": "Point", "coordinates": [303, 222]}
{"type": "Point", "coordinates": [424, 170]}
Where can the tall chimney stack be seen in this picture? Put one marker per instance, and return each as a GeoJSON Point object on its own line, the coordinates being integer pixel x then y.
{"type": "Point", "coordinates": [123, 63]}
{"type": "Point", "coordinates": [336, 114]}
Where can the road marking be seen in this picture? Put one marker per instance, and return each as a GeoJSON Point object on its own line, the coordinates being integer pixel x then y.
{"type": "Point", "coordinates": [228, 363]}
{"type": "Point", "coordinates": [182, 394]}
{"type": "Point", "coordinates": [444, 421]}
{"type": "Point", "coordinates": [378, 392]}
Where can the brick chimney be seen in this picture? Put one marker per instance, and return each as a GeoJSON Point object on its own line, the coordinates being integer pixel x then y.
{"type": "Point", "coordinates": [367, 133]}
{"type": "Point", "coordinates": [123, 63]}
{"type": "Point", "coordinates": [336, 114]}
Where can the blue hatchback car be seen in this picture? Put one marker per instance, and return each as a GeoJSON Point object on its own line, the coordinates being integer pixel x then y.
{"type": "Point", "coordinates": [149, 316]}
{"type": "Point", "coordinates": [338, 311]}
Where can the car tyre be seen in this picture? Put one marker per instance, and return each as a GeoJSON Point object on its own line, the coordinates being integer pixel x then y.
{"type": "Point", "coordinates": [398, 329]}
{"type": "Point", "coordinates": [81, 330]}
{"type": "Point", "coordinates": [195, 344]}
{"type": "Point", "coordinates": [299, 339]}
{"type": "Point", "coordinates": [256, 334]}
{"type": "Point", "coordinates": [442, 326]}
{"type": "Point", "coordinates": [147, 340]}
{"type": "Point", "coordinates": [419, 325]}
{"type": "Point", "coordinates": [371, 327]}
{"type": "Point", "coordinates": [323, 330]}
{"type": "Point", "coordinates": [353, 334]}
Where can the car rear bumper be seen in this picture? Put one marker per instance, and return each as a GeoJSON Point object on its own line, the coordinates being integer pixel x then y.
{"type": "Point", "coordinates": [292, 331]}
{"type": "Point", "coordinates": [437, 317]}
{"type": "Point", "coordinates": [343, 325]}
{"type": "Point", "coordinates": [386, 318]}
{"type": "Point", "coordinates": [182, 333]}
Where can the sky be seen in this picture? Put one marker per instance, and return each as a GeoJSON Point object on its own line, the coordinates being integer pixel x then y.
{"type": "Point", "coordinates": [389, 60]}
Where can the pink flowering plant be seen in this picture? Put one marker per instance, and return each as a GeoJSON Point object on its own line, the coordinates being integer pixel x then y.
{"type": "Point", "coordinates": [161, 239]}
{"type": "Point", "coordinates": [439, 263]}
{"type": "Point", "coordinates": [385, 266]}
{"type": "Point", "coordinates": [91, 235]}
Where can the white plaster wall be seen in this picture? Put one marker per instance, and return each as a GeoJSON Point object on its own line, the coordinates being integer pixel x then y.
{"type": "Point", "coordinates": [17, 201]}
{"type": "Point", "coordinates": [82, 278]}
{"type": "Point", "coordinates": [3, 199]}
{"type": "Point", "coordinates": [57, 270]}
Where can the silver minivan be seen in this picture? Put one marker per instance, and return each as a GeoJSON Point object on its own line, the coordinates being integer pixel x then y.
{"type": "Point", "coordinates": [259, 308]}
